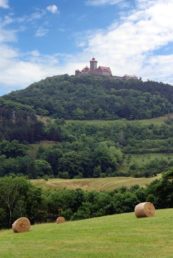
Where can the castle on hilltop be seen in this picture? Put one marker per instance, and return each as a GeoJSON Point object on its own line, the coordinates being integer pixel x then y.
{"type": "Point", "coordinates": [93, 69]}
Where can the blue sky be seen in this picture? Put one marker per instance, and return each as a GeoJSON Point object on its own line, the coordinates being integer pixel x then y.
{"type": "Point", "coordinates": [50, 37]}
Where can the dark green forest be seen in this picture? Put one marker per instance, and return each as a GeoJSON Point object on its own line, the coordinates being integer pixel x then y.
{"type": "Point", "coordinates": [96, 97]}
{"type": "Point", "coordinates": [97, 149]}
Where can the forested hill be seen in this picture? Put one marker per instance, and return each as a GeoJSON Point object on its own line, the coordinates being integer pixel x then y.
{"type": "Point", "coordinates": [92, 97]}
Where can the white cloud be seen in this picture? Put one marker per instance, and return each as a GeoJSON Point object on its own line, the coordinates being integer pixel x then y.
{"type": "Point", "coordinates": [6, 20]}
{"type": "Point", "coordinates": [18, 70]}
{"type": "Point", "coordinates": [128, 47]}
{"type": "Point", "coordinates": [103, 2]}
{"type": "Point", "coordinates": [37, 15]}
{"type": "Point", "coordinates": [161, 68]}
{"type": "Point", "coordinates": [4, 4]}
{"type": "Point", "coordinates": [41, 32]}
{"type": "Point", "coordinates": [7, 35]}
{"type": "Point", "coordinates": [52, 9]}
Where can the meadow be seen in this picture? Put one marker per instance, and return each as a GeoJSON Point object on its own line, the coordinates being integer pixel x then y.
{"type": "Point", "coordinates": [93, 184]}
{"type": "Point", "coordinates": [156, 120]}
{"type": "Point", "coordinates": [119, 236]}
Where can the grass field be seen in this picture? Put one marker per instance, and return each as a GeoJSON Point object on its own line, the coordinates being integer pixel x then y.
{"type": "Point", "coordinates": [157, 120]}
{"type": "Point", "coordinates": [142, 159]}
{"type": "Point", "coordinates": [93, 184]}
{"type": "Point", "coordinates": [119, 236]}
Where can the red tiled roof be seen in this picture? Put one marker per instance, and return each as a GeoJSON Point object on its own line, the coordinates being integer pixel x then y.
{"type": "Point", "coordinates": [104, 69]}
{"type": "Point", "coordinates": [86, 69]}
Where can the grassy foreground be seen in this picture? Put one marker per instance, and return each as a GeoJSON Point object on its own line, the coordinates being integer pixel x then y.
{"type": "Point", "coordinates": [91, 184]}
{"type": "Point", "coordinates": [118, 236]}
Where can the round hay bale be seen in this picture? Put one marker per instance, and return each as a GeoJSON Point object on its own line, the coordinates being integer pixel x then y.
{"type": "Point", "coordinates": [144, 209]}
{"type": "Point", "coordinates": [21, 225]}
{"type": "Point", "coordinates": [60, 220]}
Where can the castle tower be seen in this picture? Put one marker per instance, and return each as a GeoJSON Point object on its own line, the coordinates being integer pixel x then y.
{"type": "Point", "coordinates": [93, 65]}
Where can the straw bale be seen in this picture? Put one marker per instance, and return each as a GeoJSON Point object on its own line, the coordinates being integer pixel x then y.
{"type": "Point", "coordinates": [21, 225]}
{"type": "Point", "coordinates": [144, 209]}
{"type": "Point", "coordinates": [60, 220]}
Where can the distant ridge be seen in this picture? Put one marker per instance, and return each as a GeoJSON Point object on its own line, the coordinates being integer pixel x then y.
{"type": "Point", "coordinates": [96, 97]}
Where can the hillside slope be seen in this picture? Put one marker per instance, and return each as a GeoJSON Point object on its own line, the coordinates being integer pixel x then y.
{"type": "Point", "coordinates": [92, 97]}
{"type": "Point", "coordinates": [118, 236]}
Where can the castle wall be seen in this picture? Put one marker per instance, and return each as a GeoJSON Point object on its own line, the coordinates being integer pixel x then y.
{"type": "Point", "coordinates": [105, 71]}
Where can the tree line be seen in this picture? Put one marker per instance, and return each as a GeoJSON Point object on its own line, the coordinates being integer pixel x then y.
{"type": "Point", "coordinates": [18, 197]}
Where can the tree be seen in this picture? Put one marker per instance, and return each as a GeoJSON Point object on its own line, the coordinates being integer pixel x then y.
{"type": "Point", "coordinates": [12, 149]}
{"type": "Point", "coordinates": [41, 168]}
{"type": "Point", "coordinates": [12, 192]}
{"type": "Point", "coordinates": [107, 156]}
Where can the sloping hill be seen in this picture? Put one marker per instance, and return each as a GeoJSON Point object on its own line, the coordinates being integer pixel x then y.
{"type": "Point", "coordinates": [96, 97]}
{"type": "Point", "coordinates": [119, 236]}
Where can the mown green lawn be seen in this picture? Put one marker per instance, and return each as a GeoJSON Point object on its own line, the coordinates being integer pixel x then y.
{"type": "Point", "coordinates": [116, 236]}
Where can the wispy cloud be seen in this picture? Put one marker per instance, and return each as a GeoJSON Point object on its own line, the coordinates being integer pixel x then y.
{"type": "Point", "coordinates": [103, 2]}
{"type": "Point", "coordinates": [35, 16]}
{"type": "Point", "coordinates": [52, 9]}
{"type": "Point", "coordinates": [7, 36]}
{"type": "Point", "coordinates": [4, 4]}
{"type": "Point", "coordinates": [41, 32]}
{"type": "Point", "coordinates": [19, 69]}
{"type": "Point", "coordinates": [33, 20]}
{"type": "Point", "coordinates": [6, 20]}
